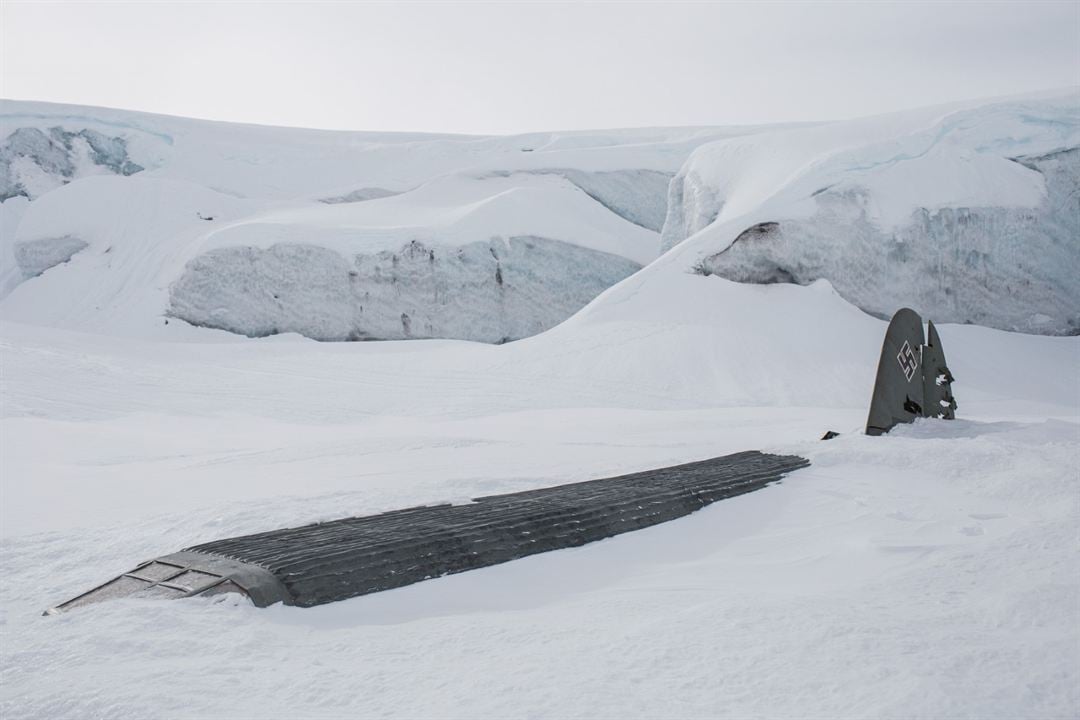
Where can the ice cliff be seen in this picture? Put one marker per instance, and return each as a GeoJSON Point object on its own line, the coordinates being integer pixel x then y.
{"type": "Point", "coordinates": [120, 222]}
{"type": "Point", "coordinates": [491, 291]}
{"type": "Point", "coordinates": [968, 214]}
{"type": "Point", "coordinates": [34, 161]}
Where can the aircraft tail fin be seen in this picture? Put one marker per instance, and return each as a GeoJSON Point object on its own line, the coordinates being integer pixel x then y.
{"type": "Point", "coordinates": [912, 378]}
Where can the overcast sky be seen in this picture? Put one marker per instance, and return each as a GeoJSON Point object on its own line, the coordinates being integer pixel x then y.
{"type": "Point", "coordinates": [515, 67]}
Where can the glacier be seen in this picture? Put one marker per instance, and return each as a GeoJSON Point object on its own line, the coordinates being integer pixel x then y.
{"type": "Point", "coordinates": [258, 230]}
{"type": "Point", "coordinates": [966, 214]}
{"type": "Point", "coordinates": [34, 161]}
{"type": "Point", "coordinates": [492, 291]}
{"type": "Point", "coordinates": [492, 259]}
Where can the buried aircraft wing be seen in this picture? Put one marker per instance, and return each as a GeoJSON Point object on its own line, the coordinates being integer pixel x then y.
{"type": "Point", "coordinates": [336, 560]}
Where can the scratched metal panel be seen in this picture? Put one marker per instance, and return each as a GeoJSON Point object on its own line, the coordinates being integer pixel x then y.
{"type": "Point", "coordinates": [331, 561]}
{"type": "Point", "coordinates": [336, 560]}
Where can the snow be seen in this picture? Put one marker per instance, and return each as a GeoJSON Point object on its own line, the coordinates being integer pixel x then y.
{"type": "Point", "coordinates": [450, 211]}
{"type": "Point", "coordinates": [139, 232]}
{"type": "Point", "coordinates": [209, 195]}
{"type": "Point", "coordinates": [158, 248]}
{"type": "Point", "coordinates": [932, 572]}
{"type": "Point", "coordinates": [966, 212]}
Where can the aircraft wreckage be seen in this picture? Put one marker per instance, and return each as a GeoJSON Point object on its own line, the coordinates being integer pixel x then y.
{"type": "Point", "coordinates": [912, 378]}
{"type": "Point", "coordinates": [330, 561]}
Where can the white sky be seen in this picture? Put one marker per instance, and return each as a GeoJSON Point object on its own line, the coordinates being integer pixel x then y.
{"type": "Point", "coordinates": [516, 67]}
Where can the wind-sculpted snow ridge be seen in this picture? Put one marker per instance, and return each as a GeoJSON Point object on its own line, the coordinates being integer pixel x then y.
{"type": "Point", "coordinates": [965, 213]}
{"type": "Point", "coordinates": [492, 291]}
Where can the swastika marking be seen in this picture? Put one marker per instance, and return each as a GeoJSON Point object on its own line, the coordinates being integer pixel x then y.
{"type": "Point", "coordinates": [908, 362]}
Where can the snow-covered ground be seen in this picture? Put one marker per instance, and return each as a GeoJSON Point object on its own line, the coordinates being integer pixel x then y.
{"type": "Point", "coordinates": [933, 572]}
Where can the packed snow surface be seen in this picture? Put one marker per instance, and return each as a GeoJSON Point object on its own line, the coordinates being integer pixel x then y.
{"type": "Point", "coordinates": [931, 572]}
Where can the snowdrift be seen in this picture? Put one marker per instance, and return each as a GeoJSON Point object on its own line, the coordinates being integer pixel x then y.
{"type": "Point", "coordinates": [487, 259]}
{"type": "Point", "coordinates": [968, 213]}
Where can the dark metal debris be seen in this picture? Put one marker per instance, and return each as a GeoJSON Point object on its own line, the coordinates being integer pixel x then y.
{"type": "Point", "coordinates": [912, 378]}
{"type": "Point", "coordinates": [331, 561]}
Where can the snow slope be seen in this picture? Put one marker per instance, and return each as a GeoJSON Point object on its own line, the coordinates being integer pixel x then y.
{"type": "Point", "coordinates": [520, 231]}
{"type": "Point", "coordinates": [967, 212]}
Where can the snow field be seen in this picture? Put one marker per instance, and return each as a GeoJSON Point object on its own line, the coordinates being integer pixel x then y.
{"type": "Point", "coordinates": [929, 573]}
{"type": "Point", "coordinates": [910, 578]}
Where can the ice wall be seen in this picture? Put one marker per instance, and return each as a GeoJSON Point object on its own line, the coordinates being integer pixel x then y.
{"type": "Point", "coordinates": [966, 214]}
{"type": "Point", "coordinates": [1009, 268]}
{"type": "Point", "coordinates": [639, 196]}
{"type": "Point", "coordinates": [34, 161]}
{"type": "Point", "coordinates": [491, 291]}
{"type": "Point", "coordinates": [34, 257]}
